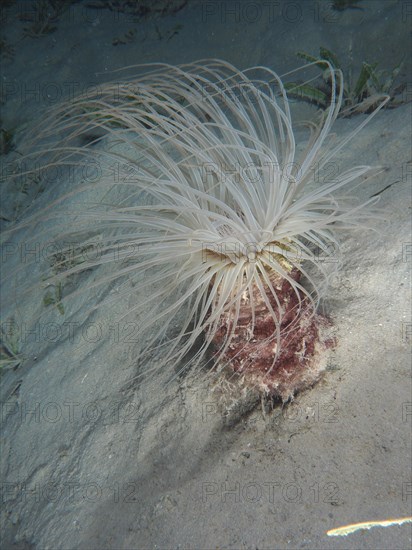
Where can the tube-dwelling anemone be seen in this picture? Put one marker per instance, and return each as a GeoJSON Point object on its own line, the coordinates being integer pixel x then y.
{"type": "Point", "coordinates": [220, 208]}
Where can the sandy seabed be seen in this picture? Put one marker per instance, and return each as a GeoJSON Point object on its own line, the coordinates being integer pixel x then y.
{"type": "Point", "coordinates": [93, 458]}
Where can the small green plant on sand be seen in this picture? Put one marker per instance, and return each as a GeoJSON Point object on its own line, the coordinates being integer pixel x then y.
{"type": "Point", "coordinates": [361, 95]}
{"type": "Point", "coordinates": [61, 262]}
{"type": "Point", "coordinates": [53, 297]}
{"type": "Point", "coordinates": [10, 356]}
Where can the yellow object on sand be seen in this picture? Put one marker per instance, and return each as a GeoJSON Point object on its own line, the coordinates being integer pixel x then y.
{"type": "Point", "coordinates": [353, 527]}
